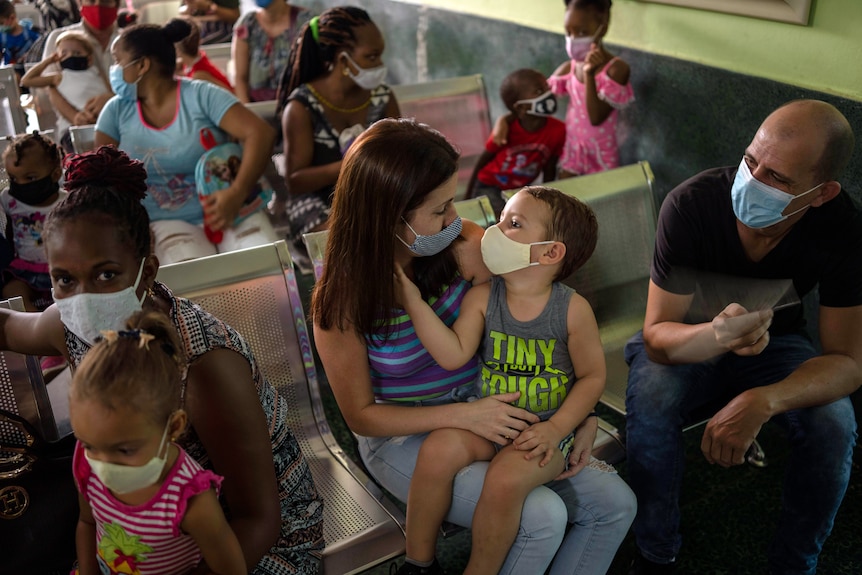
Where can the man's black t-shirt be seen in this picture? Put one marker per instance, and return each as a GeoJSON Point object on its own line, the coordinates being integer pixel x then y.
{"type": "Point", "coordinates": [698, 251]}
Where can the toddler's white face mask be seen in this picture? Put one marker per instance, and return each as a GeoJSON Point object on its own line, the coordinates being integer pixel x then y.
{"type": "Point", "coordinates": [503, 255]}
{"type": "Point", "coordinates": [128, 478]}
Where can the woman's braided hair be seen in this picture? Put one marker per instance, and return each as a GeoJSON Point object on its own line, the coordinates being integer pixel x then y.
{"type": "Point", "coordinates": [318, 45]}
{"type": "Point", "coordinates": [108, 183]}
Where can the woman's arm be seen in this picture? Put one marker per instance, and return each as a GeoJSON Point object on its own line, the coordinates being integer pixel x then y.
{"type": "Point", "coordinates": [345, 359]}
{"type": "Point", "coordinates": [302, 177]}
{"type": "Point", "coordinates": [213, 9]}
{"type": "Point", "coordinates": [205, 523]}
{"type": "Point", "coordinates": [239, 55]}
{"type": "Point", "coordinates": [256, 138]}
{"type": "Point", "coordinates": [32, 333]}
{"type": "Point", "coordinates": [225, 411]}
{"type": "Point", "coordinates": [102, 139]}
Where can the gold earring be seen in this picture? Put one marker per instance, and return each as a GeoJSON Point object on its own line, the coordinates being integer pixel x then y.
{"type": "Point", "coordinates": [345, 71]}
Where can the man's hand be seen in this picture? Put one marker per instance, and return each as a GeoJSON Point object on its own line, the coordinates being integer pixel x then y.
{"type": "Point", "coordinates": [742, 332]}
{"type": "Point", "coordinates": [732, 430]}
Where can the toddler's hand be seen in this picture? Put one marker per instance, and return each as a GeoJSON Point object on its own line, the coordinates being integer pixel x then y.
{"type": "Point", "coordinates": [405, 290]}
{"type": "Point", "coordinates": [540, 438]}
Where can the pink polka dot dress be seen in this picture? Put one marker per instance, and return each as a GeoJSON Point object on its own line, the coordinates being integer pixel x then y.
{"type": "Point", "coordinates": [590, 149]}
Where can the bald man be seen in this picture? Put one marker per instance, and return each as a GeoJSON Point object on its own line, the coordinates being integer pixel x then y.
{"type": "Point", "coordinates": [730, 241]}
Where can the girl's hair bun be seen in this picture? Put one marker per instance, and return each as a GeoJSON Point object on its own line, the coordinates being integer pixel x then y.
{"type": "Point", "coordinates": [176, 30]}
{"type": "Point", "coordinates": [106, 167]}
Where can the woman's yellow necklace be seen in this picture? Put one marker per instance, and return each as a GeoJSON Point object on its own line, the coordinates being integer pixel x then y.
{"type": "Point", "coordinates": [332, 106]}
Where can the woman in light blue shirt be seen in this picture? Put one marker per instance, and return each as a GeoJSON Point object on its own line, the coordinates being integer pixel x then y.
{"type": "Point", "coordinates": [158, 118]}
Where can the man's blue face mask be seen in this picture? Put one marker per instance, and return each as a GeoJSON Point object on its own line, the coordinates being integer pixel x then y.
{"type": "Point", "coordinates": [758, 205]}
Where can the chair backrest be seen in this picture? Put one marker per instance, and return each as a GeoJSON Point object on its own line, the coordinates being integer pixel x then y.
{"type": "Point", "coordinates": [255, 291]}
{"type": "Point", "coordinates": [24, 393]}
{"type": "Point", "coordinates": [83, 137]}
{"type": "Point", "coordinates": [458, 108]}
{"type": "Point", "coordinates": [46, 115]}
{"type": "Point", "coordinates": [615, 280]}
{"type": "Point", "coordinates": [478, 210]}
{"type": "Point", "coordinates": [13, 119]}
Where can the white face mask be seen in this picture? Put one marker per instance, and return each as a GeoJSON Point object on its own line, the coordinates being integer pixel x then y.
{"type": "Point", "coordinates": [502, 254]}
{"type": "Point", "coordinates": [366, 78]}
{"type": "Point", "coordinates": [128, 478]}
{"type": "Point", "coordinates": [543, 106]}
{"type": "Point", "coordinates": [88, 314]}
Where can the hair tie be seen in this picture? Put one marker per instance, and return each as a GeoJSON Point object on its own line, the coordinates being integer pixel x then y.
{"type": "Point", "coordinates": [314, 24]}
{"type": "Point", "coordinates": [143, 338]}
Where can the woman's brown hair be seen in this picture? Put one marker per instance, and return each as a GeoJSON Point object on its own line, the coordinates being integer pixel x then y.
{"type": "Point", "coordinates": [386, 174]}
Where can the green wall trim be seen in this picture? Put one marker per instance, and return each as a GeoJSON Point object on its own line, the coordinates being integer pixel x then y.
{"type": "Point", "coordinates": [823, 56]}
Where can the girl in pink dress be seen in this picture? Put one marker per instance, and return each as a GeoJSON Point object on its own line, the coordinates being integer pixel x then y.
{"type": "Point", "coordinates": [597, 83]}
{"type": "Point", "coordinates": [147, 507]}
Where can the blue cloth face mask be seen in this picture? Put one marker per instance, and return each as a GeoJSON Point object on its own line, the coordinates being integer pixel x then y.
{"type": "Point", "coordinates": [432, 245]}
{"type": "Point", "coordinates": [758, 205]}
{"type": "Point", "coordinates": [123, 89]}
{"type": "Point", "coordinates": [544, 105]}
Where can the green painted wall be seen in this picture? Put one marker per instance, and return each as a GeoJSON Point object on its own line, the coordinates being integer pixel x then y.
{"type": "Point", "coordinates": [826, 55]}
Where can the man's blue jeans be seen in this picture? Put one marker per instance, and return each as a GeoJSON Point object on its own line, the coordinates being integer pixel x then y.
{"type": "Point", "coordinates": [659, 401]}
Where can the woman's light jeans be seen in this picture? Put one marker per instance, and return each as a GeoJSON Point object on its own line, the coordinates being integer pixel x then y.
{"type": "Point", "coordinates": [596, 501]}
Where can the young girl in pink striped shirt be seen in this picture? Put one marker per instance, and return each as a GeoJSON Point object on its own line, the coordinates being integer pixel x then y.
{"type": "Point", "coordinates": [146, 505]}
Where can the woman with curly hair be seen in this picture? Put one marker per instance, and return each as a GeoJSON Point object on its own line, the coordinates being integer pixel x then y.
{"type": "Point", "coordinates": [103, 271]}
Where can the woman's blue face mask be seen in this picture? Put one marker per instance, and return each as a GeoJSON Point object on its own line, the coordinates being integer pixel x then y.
{"type": "Point", "coordinates": [123, 89]}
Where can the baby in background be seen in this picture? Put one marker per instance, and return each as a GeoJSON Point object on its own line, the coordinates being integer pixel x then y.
{"type": "Point", "coordinates": [534, 335]}
{"type": "Point", "coordinates": [597, 83]}
{"type": "Point", "coordinates": [194, 63]}
{"type": "Point", "coordinates": [33, 164]}
{"type": "Point", "coordinates": [78, 81]}
{"type": "Point", "coordinates": [144, 501]}
{"type": "Point", "coordinates": [535, 140]}
{"type": "Point", "coordinates": [16, 36]}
